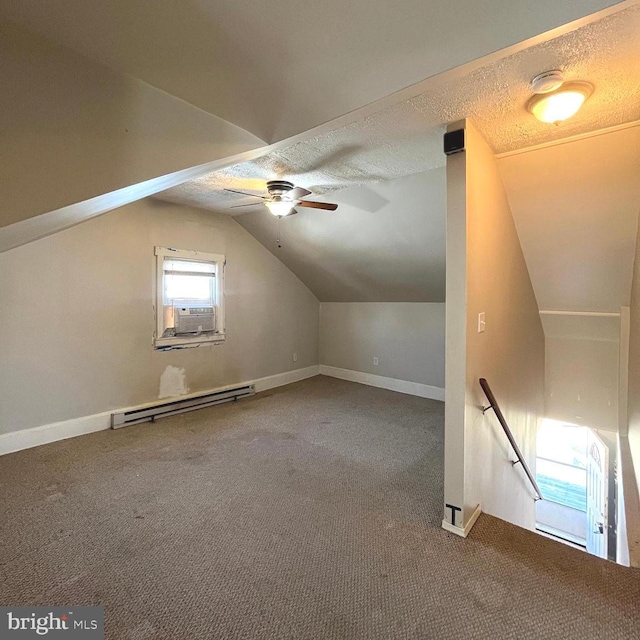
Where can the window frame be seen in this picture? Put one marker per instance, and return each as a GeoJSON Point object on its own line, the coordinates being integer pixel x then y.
{"type": "Point", "coordinates": [158, 308]}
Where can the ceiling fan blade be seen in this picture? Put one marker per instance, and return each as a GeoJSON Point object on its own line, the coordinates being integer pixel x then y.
{"type": "Point", "coordinates": [253, 204]}
{"type": "Point", "coordinates": [297, 192]}
{"type": "Point", "coordinates": [244, 193]}
{"type": "Point", "coordinates": [328, 206]}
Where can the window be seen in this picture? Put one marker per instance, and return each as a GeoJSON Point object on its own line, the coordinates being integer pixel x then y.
{"type": "Point", "coordinates": [189, 298]}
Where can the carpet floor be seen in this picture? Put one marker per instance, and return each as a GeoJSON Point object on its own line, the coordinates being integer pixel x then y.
{"type": "Point", "coordinates": [308, 511]}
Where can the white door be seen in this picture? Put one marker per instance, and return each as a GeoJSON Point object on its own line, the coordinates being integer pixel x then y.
{"type": "Point", "coordinates": [597, 495]}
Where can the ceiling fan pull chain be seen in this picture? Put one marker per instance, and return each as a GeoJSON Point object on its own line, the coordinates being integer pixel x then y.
{"type": "Point", "coordinates": [278, 235]}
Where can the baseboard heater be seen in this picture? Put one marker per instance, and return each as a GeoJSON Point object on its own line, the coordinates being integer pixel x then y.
{"type": "Point", "coordinates": [164, 409]}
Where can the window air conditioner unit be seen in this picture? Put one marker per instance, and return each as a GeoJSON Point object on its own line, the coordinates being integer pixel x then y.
{"type": "Point", "coordinates": [194, 319]}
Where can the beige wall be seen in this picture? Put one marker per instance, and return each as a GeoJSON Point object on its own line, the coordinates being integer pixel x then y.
{"type": "Point", "coordinates": [631, 448]}
{"type": "Point", "coordinates": [73, 129]}
{"type": "Point", "coordinates": [622, 539]}
{"type": "Point", "coordinates": [487, 273]}
{"type": "Point", "coordinates": [633, 400]}
{"type": "Point", "coordinates": [581, 383]}
{"type": "Point", "coordinates": [623, 368]}
{"type": "Point", "coordinates": [406, 337]}
{"type": "Point", "coordinates": [628, 547]}
{"type": "Point", "coordinates": [456, 339]}
{"type": "Point", "coordinates": [78, 315]}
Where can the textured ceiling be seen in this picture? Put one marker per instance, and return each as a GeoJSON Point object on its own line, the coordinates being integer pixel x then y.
{"type": "Point", "coordinates": [386, 241]}
{"type": "Point", "coordinates": [388, 145]}
{"type": "Point", "coordinates": [280, 67]}
{"type": "Point", "coordinates": [406, 138]}
{"type": "Point", "coordinates": [606, 53]}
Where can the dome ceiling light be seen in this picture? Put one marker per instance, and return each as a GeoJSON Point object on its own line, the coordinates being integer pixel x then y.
{"type": "Point", "coordinates": [556, 100]}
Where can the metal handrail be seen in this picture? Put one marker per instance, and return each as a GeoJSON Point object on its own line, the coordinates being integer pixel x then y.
{"type": "Point", "coordinates": [493, 404]}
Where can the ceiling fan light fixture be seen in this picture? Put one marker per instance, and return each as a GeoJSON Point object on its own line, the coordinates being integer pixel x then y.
{"type": "Point", "coordinates": [283, 198]}
{"type": "Point", "coordinates": [560, 104]}
{"type": "Point", "coordinates": [278, 207]}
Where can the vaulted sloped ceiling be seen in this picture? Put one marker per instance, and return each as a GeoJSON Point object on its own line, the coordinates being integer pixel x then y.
{"type": "Point", "coordinates": [390, 251]}
{"type": "Point", "coordinates": [576, 209]}
{"type": "Point", "coordinates": [388, 248]}
{"type": "Point", "coordinates": [405, 137]}
{"type": "Point", "coordinates": [281, 67]}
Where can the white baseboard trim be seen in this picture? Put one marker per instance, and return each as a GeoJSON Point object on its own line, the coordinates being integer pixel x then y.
{"type": "Point", "coordinates": [459, 531]}
{"type": "Point", "coordinates": [45, 434]}
{"type": "Point", "coordinates": [280, 379]}
{"type": "Point", "coordinates": [402, 386]}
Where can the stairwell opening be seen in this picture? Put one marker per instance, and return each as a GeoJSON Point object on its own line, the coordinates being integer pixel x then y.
{"type": "Point", "coordinates": [576, 472]}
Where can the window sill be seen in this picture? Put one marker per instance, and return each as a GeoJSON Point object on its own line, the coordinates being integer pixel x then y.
{"type": "Point", "coordinates": [188, 341]}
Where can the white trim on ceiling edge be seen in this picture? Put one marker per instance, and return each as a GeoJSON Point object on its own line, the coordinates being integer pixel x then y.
{"type": "Point", "coordinates": [569, 139]}
{"type": "Point", "coordinates": [47, 433]}
{"type": "Point", "coordinates": [459, 531]}
{"type": "Point", "coordinates": [393, 384]}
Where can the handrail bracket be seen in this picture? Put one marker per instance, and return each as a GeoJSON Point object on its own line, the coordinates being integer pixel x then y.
{"type": "Point", "coordinates": [493, 404]}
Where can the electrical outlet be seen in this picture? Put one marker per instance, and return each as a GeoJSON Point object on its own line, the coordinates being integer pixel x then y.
{"type": "Point", "coordinates": [375, 361]}
{"type": "Point", "coordinates": [295, 357]}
